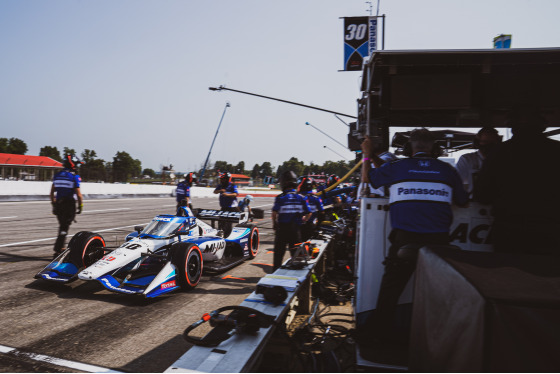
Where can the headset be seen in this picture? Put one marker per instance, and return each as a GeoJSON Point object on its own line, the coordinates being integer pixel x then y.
{"type": "Point", "coordinates": [437, 150]}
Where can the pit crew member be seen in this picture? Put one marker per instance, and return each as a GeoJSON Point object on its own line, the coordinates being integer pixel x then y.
{"type": "Point", "coordinates": [289, 212]}
{"type": "Point", "coordinates": [66, 185]}
{"type": "Point", "coordinates": [183, 190]}
{"type": "Point", "coordinates": [246, 203]}
{"type": "Point", "coordinates": [315, 205]}
{"type": "Point", "coordinates": [228, 199]}
{"type": "Point", "coordinates": [422, 189]}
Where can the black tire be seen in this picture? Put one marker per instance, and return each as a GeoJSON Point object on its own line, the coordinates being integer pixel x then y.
{"type": "Point", "coordinates": [254, 239]}
{"type": "Point", "coordinates": [187, 258]}
{"type": "Point", "coordinates": [86, 248]}
{"type": "Point", "coordinates": [258, 213]}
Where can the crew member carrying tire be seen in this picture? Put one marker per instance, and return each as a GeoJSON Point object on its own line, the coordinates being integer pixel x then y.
{"type": "Point", "coordinates": [64, 192]}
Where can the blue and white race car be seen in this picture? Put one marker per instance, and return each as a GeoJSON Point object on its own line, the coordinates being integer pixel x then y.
{"type": "Point", "coordinates": [170, 253]}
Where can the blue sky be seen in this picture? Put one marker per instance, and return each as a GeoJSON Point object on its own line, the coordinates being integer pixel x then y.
{"type": "Point", "coordinates": [133, 75]}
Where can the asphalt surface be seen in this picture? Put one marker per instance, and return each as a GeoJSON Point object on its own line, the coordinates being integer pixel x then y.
{"type": "Point", "coordinates": [83, 323]}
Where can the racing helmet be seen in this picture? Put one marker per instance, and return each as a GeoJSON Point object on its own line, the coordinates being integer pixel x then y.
{"type": "Point", "coordinates": [288, 179]}
{"type": "Point", "coordinates": [190, 178]}
{"type": "Point", "coordinates": [225, 178]}
{"type": "Point", "coordinates": [71, 162]}
{"type": "Point", "coordinates": [332, 180]}
{"type": "Point", "coordinates": [306, 185]}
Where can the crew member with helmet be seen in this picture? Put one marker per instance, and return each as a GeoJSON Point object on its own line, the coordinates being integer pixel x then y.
{"type": "Point", "coordinates": [183, 191]}
{"type": "Point", "coordinates": [66, 185]}
{"type": "Point", "coordinates": [330, 200]}
{"type": "Point", "coordinates": [422, 189]}
{"type": "Point", "coordinates": [289, 213]}
{"type": "Point", "coordinates": [228, 199]}
{"type": "Point", "coordinates": [246, 203]}
{"type": "Point", "coordinates": [306, 188]}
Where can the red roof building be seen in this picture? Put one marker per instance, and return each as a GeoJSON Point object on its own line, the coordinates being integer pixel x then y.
{"type": "Point", "coordinates": [240, 179]}
{"type": "Point", "coordinates": [27, 167]}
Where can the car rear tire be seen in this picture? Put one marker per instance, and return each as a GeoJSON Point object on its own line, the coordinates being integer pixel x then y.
{"type": "Point", "coordinates": [254, 239]}
{"type": "Point", "coordinates": [86, 248]}
{"type": "Point", "coordinates": [187, 258]}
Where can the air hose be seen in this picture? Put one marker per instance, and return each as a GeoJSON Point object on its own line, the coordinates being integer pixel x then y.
{"type": "Point", "coordinates": [358, 164]}
{"type": "Point", "coordinates": [240, 320]}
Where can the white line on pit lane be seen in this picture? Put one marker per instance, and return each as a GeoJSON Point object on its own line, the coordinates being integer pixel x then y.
{"type": "Point", "coordinates": [69, 236]}
{"type": "Point", "coordinates": [8, 217]}
{"type": "Point", "coordinates": [57, 361]}
{"type": "Point", "coordinates": [105, 210]}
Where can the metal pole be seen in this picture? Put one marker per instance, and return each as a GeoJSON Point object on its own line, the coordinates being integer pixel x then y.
{"type": "Point", "coordinates": [335, 152]}
{"type": "Point", "coordinates": [324, 133]}
{"type": "Point", "coordinates": [215, 135]}
{"type": "Point", "coordinates": [284, 101]}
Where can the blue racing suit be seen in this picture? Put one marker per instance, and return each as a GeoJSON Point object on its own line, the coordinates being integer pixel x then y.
{"type": "Point", "coordinates": [421, 192]}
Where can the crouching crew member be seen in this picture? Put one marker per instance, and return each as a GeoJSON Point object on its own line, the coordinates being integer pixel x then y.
{"type": "Point", "coordinates": [289, 212]}
{"type": "Point", "coordinates": [246, 203]}
{"type": "Point", "coordinates": [66, 185]}
{"type": "Point", "coordinates": [315, 205]}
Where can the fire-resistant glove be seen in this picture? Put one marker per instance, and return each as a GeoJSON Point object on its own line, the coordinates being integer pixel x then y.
{"type": "Point", "coordinates": [80, 207]}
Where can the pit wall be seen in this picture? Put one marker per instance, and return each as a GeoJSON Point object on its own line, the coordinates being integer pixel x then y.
{"type": "Point", "coordinates": [30, 190]}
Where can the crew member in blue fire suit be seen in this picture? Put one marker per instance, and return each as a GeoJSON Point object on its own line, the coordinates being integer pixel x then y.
{"type": "Point", "coordinates": [183, 191]}
{"type": "Point", "coordinates": [66, 185]}
{"type": "Point", "coordinates": [305, 188]}
{"type": "Point", "coordinates": [228, 199]}
{"type": "Point", "coordinates": [289, 212]}
{"type": "Point", "coordinates": [422, 189]}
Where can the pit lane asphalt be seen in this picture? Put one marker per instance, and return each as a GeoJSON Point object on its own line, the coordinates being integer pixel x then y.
{"type": "Point", "coordinates": [81, 321]}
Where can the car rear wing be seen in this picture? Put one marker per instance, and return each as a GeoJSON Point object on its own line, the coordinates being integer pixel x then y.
{"type": "Point", "coordinates": [220, 215]}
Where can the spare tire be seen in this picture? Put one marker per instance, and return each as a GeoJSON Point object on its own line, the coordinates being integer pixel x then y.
{"type": "Point", "coordinates": [258, 213]}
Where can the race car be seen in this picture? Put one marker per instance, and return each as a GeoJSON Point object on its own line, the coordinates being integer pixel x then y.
{"type": "Point", "coordinates": [170, 253]}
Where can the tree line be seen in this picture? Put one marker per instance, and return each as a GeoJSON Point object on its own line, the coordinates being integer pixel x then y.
{"type": "Point", "coordinates": [124, 168]}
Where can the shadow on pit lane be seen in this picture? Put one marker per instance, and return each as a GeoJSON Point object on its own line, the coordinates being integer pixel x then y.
{"type": "Point", "coordinates": [11, 257]}
{"type": "Point", "coordinates": [91, 291]}
{"type": "Point", "coordinates": [160, 358]}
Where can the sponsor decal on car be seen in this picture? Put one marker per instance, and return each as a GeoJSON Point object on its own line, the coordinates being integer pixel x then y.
{"type": "Point", "coordinates": [168, 285]}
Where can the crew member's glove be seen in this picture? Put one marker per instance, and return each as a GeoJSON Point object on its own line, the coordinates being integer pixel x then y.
{"type": "Point", "coordinates": [54, 210]}
{"type": "Point", "coordinates": [80, 207]}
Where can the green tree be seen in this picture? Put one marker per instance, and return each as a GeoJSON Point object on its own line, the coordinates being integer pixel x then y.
{"type": "Point", "coordinates": [223, 166]}
{"type": "Point", "coordinates": [292, 164]}
{"type": "Point", "coordinates": [240, 167]}
{"type": "Point", "coordinates": [92, 169]}
{"type": "Point", "coordinates": [4, 145]}
{"type": "Point", "coordinates": [149, 172]}
{"type": "Point", "coordinates": [68, 151]}
{"type": "Point", "coordinates": [266, 169]}
{"type": "Point", "coordinates": [52, 152]}
{"type": "Point", "coordinates": [255, 173]}
{"type": "Point", "coordinates": [125, 167]}
{"type": "Point", "coordinates": [13, 145]}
